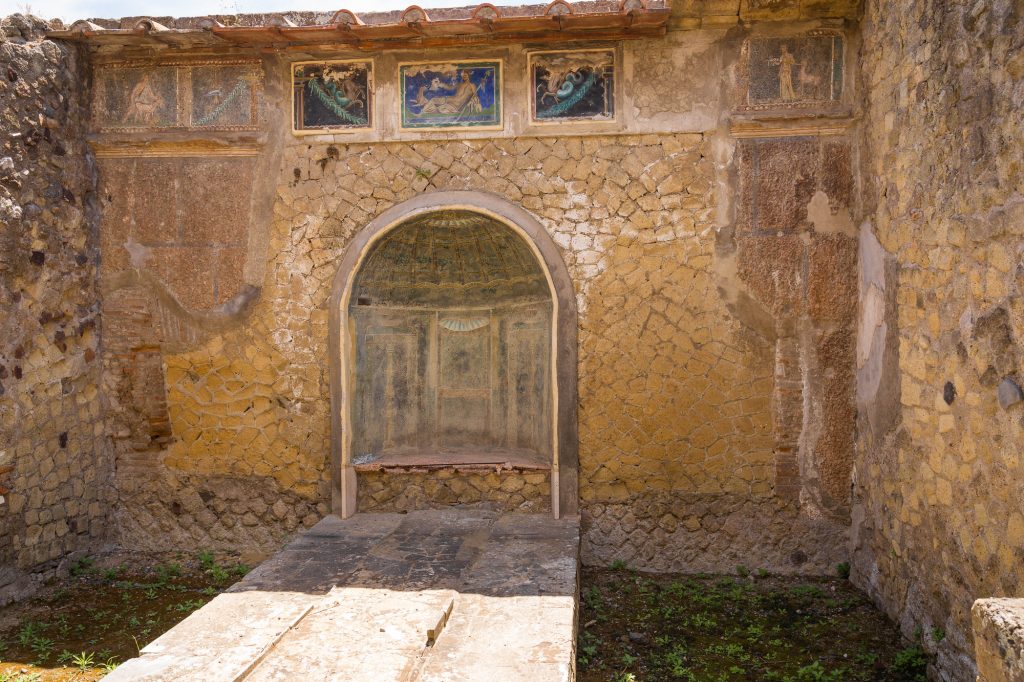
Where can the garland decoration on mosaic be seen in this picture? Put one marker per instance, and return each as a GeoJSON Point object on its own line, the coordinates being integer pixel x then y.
{"type": "Point", "coordinates": [566, 104]}
{"type": "Point", "coordinates": [238, 90]}
{"type": "Point", "coordinates": [335, 101]}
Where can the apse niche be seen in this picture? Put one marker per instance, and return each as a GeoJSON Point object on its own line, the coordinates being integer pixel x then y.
{"type": "Point", "coordinates": [451, 319]}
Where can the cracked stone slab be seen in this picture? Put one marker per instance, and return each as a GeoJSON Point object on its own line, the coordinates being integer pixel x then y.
{"type": "Point", "coordinates": [455, 595]}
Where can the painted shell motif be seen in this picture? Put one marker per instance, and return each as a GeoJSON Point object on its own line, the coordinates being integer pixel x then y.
{"type": "Point", "coordinates": [466, 324]}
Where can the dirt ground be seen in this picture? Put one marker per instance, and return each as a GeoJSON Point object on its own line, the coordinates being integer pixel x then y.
{"type": "Point", "coordinates": [637, 627]}
{"type": "Point", "coordinates": [80, 628]}
{"type": "Point", "coordinates": [634, 627]}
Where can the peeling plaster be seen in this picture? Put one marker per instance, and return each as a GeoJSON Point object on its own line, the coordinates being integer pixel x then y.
{"type": "Point", "coordinates": [829, 221]}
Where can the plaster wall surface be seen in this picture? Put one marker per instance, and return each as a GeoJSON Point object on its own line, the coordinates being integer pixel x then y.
{"type": "Point", "coordinates": [55, 461]}
{"type": "Point", "coordinates": [938, 495]}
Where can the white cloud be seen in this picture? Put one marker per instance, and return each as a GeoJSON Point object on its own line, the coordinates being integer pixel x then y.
{"type": "Point", "coordinates": [71, 10]}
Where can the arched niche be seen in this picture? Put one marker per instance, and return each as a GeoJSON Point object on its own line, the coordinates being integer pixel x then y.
{"type": "Point", "coordinates": [433, 323]}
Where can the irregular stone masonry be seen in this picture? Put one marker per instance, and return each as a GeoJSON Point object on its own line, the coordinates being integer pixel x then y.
{"type": "Point", "coordinates": [505, 491]}
{"type": "Point", "coordinates": [54, 454]}
{"type": "Point", "coordinates": [938, 489]}
{"type": "Point", "coordinates": [675, 391]}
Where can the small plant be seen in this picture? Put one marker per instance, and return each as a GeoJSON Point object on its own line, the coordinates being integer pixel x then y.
{"type": "Point", "coordinates": [82, 566]}
{"type": "Point", "coordinates": [676, 660]}
{"type": "Point", "coordinates": [912, 664]}
{"type": "Point", "coordinates": [206, 560]}
{"type": "Point", "coordinates": [843, 570]}
{"type": "Point", "coordinates": [424, 173]}
{"type": "Point", "coordinates": [938, 634]}
{"type": "Point", "coordinates": [815, 672]}
{"type": "Point", "coordinates": [217, 573]}
{"type": "Point", "coordinates": [84, 661]}
{"type": "Point", "coordinates": [742, 571]}
{"type": "Point", "coordinates": [165, 572]}
{"type": "Point", "coordinates": [188, 606]}
{"type": "Point", "coordinates": [29, 632]}
{"type": "Point", "coordinates": [762, 573]}
{"type": "Point", "coordinates": [807, 591]}
{"type": "Point", "coordinates": [42, 647]}
{"type": "Point", "coordinates": [109, 664]}
{"type": "Point", "coordinates": [617, 565]}
{"type": "Point", "coordinates": [588, 648]}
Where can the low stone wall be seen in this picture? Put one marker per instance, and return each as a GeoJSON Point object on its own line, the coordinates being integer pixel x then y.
{"type": "Point", "coordinates": [999, 639]}
{"type": "Point", "coordinates": [55, 488]}
{"type": "Point", "coordinates": [712, 534]}
{"type": "Point", "coordinates": [159, 510]}
{"type": "Point", "coordinates": [403, 492]}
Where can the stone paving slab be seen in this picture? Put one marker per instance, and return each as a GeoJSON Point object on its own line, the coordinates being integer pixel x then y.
{"type": "Point", "coordinates": [431, 596]}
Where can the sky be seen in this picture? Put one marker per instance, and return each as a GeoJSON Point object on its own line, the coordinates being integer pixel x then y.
{"type": "Point", "coordinates": [70, 10]}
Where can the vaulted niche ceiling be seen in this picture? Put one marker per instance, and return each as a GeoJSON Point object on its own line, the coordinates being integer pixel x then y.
{"type": "Point", "coordinates": [452, 316]}
{"type": "Point", "coordinates": [449, 256]}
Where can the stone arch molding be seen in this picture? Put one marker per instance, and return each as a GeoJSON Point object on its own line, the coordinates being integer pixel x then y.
{"type": "Point", "coordinates": [565, 464]}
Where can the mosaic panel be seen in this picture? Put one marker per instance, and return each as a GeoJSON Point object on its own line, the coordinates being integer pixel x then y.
{"type": "Point", "coordinates": [223, 96]}
{"type": "Point", "coordinates": [463, 94]}
{"type": "Point", "coordinates": [572, 86]}
{"type": "Point", "coordinates": [333, 95]}
{"type": "Point", "coordinates": [146, 97]}
{"type": "Point", "coordinates": [797, 71]}
{"type": "Point", "coordinates": [142, 98]}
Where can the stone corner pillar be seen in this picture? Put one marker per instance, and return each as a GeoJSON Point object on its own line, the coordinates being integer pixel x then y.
{"type": "Point", "coordinates": [999, 639]}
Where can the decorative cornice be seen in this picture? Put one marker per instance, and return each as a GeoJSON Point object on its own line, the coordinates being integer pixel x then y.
{"type": "Point", "coordinates": [814, 127]}
{"type": "Point", "coordinates": [153, 149]}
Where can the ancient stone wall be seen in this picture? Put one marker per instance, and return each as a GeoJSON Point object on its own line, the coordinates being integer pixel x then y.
{"type": "Point", "coordinates": [710, 246]}
{"type": "Point", "coordinates": [54, 456]}
{"type": "Point", "coordinates": [938, 482]}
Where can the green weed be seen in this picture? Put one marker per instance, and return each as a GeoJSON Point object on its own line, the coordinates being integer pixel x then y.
{"type": "Point", "coordinates": [912, 664]}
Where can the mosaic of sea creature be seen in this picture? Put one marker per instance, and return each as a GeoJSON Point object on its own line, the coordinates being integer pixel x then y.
{"type": "Point", "coordinates": [221, 96]}
{"type": "Point", "coordinates": [578, 85]}
{"type": "Point", "coordinates": [452, 95]}
{"type": "Point", "coordinates": [330, 95]}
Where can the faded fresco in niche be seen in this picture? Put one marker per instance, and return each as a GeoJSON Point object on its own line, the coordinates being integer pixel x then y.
{"type": "Point", "coordinates": [211, 95]}
{"type": "Point", "coordinates": [572, 86]}
{"type": "Point", "coordinates": [332, 95]}
{"type": "Point", "coordinates": [799, 71]}
{"type": "Point", "coordinates": [452, 324]}
{"type": "Point", "coordinates": [451, 95]}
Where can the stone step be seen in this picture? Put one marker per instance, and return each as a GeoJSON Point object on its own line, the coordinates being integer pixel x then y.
{"type": "Point", "coordinates": [452, 595]}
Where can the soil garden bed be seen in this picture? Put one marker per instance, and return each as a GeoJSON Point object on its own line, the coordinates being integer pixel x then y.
{"type": "Point", "coordinates": [80, 628]}
{"type": "Point", "coordinates": [636, 627]}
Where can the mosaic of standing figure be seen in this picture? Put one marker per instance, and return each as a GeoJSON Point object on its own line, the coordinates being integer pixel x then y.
{"type": "Point", "coordinates": [799, 71]}
{"type": "Point", "coordinates": [332, 95]}
{"type": "Point", "coordinates": [451, 95]}
{"type": "Point", "coordinates": [136, 98]}
{"type": "Point", "coordinates": [572, 86]}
